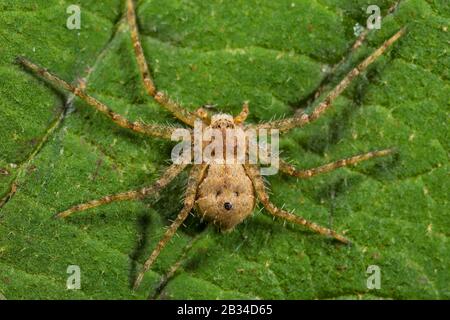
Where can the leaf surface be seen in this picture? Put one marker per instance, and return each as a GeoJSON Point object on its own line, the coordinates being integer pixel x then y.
{"type": "Point", "coordinates": [56, 152]}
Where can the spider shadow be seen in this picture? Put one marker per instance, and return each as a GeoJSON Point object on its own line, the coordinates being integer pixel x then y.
{"type": "Point", "coordinates": [337, 126]}
{"type": "Point", "coordinates": [43, 82]}
{"type": "Point", "coordinates": [189, 261]}
{"type": "Point", "coordinates": [339, 186]}
{"type": "Point", "coordinates": [142, 225]}
{"type": "Point", "coordinates": [167, 206]}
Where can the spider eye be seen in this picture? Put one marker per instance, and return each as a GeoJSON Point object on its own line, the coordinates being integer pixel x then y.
{"type": "Point", "coordinates": [228, 206]}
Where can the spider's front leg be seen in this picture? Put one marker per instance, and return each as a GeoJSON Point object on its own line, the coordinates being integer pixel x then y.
{"type": "Point", "coordinates": [194, 180]}
{"type": "Point", "coordinates": [163, 181]}
{"type": "Point", "coordinates": [155, 130]}
{"type": "Point", "coordinates": [242, 116]}
{"type": "Point", "coordinates": [204, 115]}
{"type": "Point", "coordinates": [307, 173]}
{"type": "Point", "coordinates": [300, 120]}
{"type": "Point", "coordinates": [258, 184]}
{"type": "Point", "coordinates": [177, 110]}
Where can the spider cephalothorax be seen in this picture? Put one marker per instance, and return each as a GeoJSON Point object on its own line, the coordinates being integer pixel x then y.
{"type": "Point", "coordinates": [224, 194]}
{"type": "Point", "coordinates": [222, 121]}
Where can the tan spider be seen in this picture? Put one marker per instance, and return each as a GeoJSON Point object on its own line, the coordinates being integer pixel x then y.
{"type": "Point", "coordinates": [224, 194]}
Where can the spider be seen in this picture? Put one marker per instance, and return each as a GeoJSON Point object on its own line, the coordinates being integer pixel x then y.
{"type": "Point", "coordinates": [224, 194]}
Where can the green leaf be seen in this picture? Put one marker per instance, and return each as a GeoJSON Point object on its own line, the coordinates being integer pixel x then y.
{"type": "Point", "coordinates": [55, 152]}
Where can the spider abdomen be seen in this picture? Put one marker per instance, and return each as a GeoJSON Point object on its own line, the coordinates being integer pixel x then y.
{"type": "Point", "coordinates": [225, 196]}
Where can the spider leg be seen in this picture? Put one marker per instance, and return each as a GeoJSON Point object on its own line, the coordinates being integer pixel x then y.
{"type": "Point", "coordinates": [242, 116]}
{"type": "Point", "coordinates": [203, 114]}
{"type": "Point", "coordinates": [177, 110]}
{"type": "Point", "coordinates": [194, 180]}
{"type": "Point", "coordinates": [258, 184]}
{"type": "Point", "coordinates": [163, 181]}
{"type": "Point", "coordinates": [302, 119]}
{"type": "Point", "coordinates": [307, 173]}
{"type": "Point", "coordinates": [155, 130]}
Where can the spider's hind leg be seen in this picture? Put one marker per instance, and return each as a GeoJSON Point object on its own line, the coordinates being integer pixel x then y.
{"type": "Point", "coordinates": [258, 184]}
{"type": "Point", "coordinates": [194, 180]}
